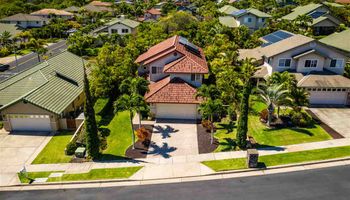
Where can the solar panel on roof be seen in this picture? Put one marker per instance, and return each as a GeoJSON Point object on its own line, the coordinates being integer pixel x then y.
{"type": "Point", "coordinates": [275, 37]}
{"type": "Point", "coordinates": [239, 12]}
{"type": "Point", "coordinates": [317, 14]}
{"type": "Point", "coordinates": [190, 47]}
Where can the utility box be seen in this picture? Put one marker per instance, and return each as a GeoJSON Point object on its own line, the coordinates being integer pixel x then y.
{"type": "Point", "coordinates": [80, 152]}
{"type": "Point", "coordinates": [252, 158]}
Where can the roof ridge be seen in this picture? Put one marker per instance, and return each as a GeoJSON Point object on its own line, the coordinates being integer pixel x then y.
{"type": "Point", "coordinates": [148, 96]}
{"type": "Point", "coordinates": [174, 62]}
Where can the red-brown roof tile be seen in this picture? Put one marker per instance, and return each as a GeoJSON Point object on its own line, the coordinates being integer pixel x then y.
{"type": "Point", "coordinates": [189, 62]}
{"type": "Point", "coordinates": [101, 3]}
{"type": "Point", "coordinates": [173, 90]}
{"type": "Point", "coordinates": [154, 11]}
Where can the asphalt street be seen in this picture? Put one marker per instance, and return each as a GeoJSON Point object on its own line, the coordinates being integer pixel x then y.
{"type": "Point", "coordinates": [328, 184]}
{"type": "Point", "coordinates": [30, 60]}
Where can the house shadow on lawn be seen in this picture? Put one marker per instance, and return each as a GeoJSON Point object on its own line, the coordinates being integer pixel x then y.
{"type": "Point", "coordinates": [265, 147]}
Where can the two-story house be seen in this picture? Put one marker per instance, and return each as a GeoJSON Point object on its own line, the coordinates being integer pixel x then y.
{"type": "Point", "coordinates": [323, 23]}
{"type": "Point", "coordinates": [120, 25]}
{"type": "Point", "coordinates": [317, 67]}
{"type": "Point", "coordinates": [252, 18]}
{"type": "Point", "coordinates": [175, 68]}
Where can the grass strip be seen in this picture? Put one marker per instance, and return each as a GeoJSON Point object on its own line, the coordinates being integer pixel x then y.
{"type": "Point", "coordinates": [281, 159]}
{"type": "Point", "coordinates": [98, 174]}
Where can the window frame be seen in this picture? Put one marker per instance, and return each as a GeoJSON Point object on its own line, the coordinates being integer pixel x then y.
{"type": "Point", "coordinates": [311, 63]}
{"type": "Point", "coordinates": [125, 30]}
{"type": "Point", "coordinates": [336, 62]}
{"type": "Point", "coordinates": [284, 64]}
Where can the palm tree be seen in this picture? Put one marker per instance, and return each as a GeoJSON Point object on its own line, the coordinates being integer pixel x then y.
{"type": "Point", "coordinates": [132, 103]}
{"type": "Point", "coordinates": [300, 97]}
{"type": "Point", "coordinates": [208, 92]}
{"type": "Point", "coordinates": [209, 108]}
{"type": "Point", "coordinates": [37, 47]}
{"type": "Point", "coordinates": [136, 86]}
{"type": "Point", "coordinates": [272, 96]}
{"type": "Point", "coordinates": [5, 38]}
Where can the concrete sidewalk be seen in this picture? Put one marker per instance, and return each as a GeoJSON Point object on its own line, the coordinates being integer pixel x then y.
{"type": "Point", "coordinates": [178, 166]}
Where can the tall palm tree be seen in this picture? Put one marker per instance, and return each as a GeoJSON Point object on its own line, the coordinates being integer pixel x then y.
{"type": "Point", "coordinates": [136, 86]}
{"type": "Point", "coordinates": [209, 108]}
{"type": "Point", "coordinates": [272, 96]}
{"type": "Point", "coordinates": [5, 38]}
{"type": "Point", "coordinates": [299, 97]}
{"type": "Point", "coordinates": [37, 47]}
{"type": "Point", "coordinates": [132, 103]}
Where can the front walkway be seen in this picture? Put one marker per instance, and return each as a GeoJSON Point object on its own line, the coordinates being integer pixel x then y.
{"type": "Point", "coordinates": [173, 138]}
{"type": "Point", "coordinates": [336, 118]}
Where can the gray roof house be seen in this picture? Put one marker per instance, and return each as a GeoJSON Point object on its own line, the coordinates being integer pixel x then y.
{"type": "Point", "coordinates": [120, 25]}
{"type": "Point", "coordinates": [252, 18]}
{"type": "Point", "coordinates": [25, 20]}
{"type": "Point", "coordinates": [318, 67]}
{"type": "Point", "coordinates": [13, 29]}
{"type": "Point", "coordinates": [323, 22]}
{"type": "Point", "coordinates": [46, 97]}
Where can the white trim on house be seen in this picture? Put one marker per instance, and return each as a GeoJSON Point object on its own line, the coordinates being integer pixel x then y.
{"type": "Point", "coordinates": [290, 64]}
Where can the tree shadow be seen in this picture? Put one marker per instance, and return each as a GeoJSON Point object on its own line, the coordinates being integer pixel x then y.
{"type": "Point", "coordinates": [163, 150]}
{"type": "Point", "coordinates": [266, 147]}
{"type": "Point", "coordinates": [299, 130]}
{"type": "Point", "coordinates": [228, 127]}
{"type": "Point", "coordinates": [165, 132]}
{"type": "Point", "coordinates": [117, 159]}
{"type": "Point", "coordinates": [106, 114]}
{"type": "Point", "coordinates": [230, 144]}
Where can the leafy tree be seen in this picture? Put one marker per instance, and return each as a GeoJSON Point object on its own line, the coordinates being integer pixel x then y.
{"type": "Point", "coordinates": [208, 92]}
{"type": "Point", "coordinates": [272, 96]}
{"type": "Point", "coordinates": [347, 71]}
{"type": "Point", "coordinates": [299, 97]}
{"type": "Point", "coordinates": [132, 103]}
{"type": "Point", "coordinates": [92, 140]}
{"type": "Point", "coordinates": [37, 47]}
{"type": "Point", "coordinates": [208, 109]}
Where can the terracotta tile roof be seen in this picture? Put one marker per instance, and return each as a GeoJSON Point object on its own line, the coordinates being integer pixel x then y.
{"type": "Point", "coordinates": [101, 3]}
{"type": "Point", "coordinates": [153, 11]}
{"type": "Point", "coordinates": [51, 11]}
{"type": "Point", "coordinates": [189, 62]}
{"type": "Point", "coordinates": [343, 1]}
{"type": "Point", "coordinates": [185, 65]}
{"type": "Point", "coordinates": [173, 90]}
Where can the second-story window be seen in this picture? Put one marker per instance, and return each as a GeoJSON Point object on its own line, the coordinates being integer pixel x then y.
{"type": "Point", "coordinates": [336, 63]}
{"type": "Point", "coordinates": [310, 63]}
{"type": "Point", "coordinates": [284, 62]}
{"type": "Point", "coordinates": [195, 77]}
{"type": "Point", "coordinates": [156, 70]}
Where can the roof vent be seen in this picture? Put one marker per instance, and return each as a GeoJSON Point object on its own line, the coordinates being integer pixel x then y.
{"type": "Point", "coordinates": [66, 78]}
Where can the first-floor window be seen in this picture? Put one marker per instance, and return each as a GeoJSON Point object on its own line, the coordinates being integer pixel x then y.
{"type": "Point", "coordinates": [114, 30]}
{"type": "Point", "coordinates": [284, 62]}
{"type": "Point", "coordinates": [336, 63]}
{"type": "Point", "coordinates": [124, 30]}
{"type": "Point", "coordinates": [195, 77]}
{"type": "Point", "coordinates": [310, 63]}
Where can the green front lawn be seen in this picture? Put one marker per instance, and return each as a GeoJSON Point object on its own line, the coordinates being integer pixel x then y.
{"type": "Point", "coordinates": [98, 174]}
{"type": "Point", "coordinates": [226, 133]}
{"type": "Point", "coordinates": [119, 139]}
{"type": "Point", "coordinates": [281, 159]}
{"type": "Point", "coordinates": [54, 150]}
{"type": "Point", "coordinates": [34, 175]}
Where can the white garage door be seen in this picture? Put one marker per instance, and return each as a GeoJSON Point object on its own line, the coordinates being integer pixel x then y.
{"type": "Point", "coordinates": [176, 111]}
{"type": "Point", "coordinates": [328, 97]}
{"type": "Point", "coordinates": [30, 122]}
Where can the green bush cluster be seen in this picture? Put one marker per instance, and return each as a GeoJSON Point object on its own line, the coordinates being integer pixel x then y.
{"type": "Point", "coordinates": [71, 147]}
{"type": "Point", "coordinates": [300, 118]}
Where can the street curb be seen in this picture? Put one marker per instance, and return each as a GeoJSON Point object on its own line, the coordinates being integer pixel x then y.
{"type": "Point", "coordinates": [163, 180]}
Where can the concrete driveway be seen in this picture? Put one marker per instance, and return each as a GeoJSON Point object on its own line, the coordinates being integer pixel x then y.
{"type": "Point", "coordinates": [173, 138]}
{"type": "Point", "coordinates": [336, 118]}
{"type": "Point", "coordinates": [16, 150]}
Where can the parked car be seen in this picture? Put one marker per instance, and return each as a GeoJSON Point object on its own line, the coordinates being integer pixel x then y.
{"type": "Point", "coordinates": [4, 67]}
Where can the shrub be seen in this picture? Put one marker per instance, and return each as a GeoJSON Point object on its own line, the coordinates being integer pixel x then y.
{"type": "Point", "coordinates": [264, 114]}
{"type": "Point", "coordinates": [207, 125]}
{"type": "Point", "coordinates": [142, 134]}
{"type": "Point", "coordinates": [1, 125]}
{"type": "Point", "coordinates": [71, 147]}
{"type": "Point", "coordinates": [301, 119]}
{"type": "Point", "coordinates": [103, 143]}
{"type": "Point", "coordinates": [232, 113]}
{"type": "Point", "coordinates": [4, 51]}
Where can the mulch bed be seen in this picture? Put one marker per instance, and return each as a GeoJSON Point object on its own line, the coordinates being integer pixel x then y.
{"type": "Point", "coordinates": [203, 137]}
{"type": "Point", "coordinates": [141, 149]}
{"type": "Point", "coordinates": [328, 129]}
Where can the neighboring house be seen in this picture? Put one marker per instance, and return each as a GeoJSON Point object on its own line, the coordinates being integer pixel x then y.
{"type": "Point", "coordinates": [252, 18]}
{"type": "Point", "coordinates": [72, 9]}
{"type": "Point", "coordinates": [340, 40]}
{"type": "Point", "coordinates": [101, 3]}
{"type": "Point", "coordinates": [159, 5]}
{"type": "Point", "coordinates": [318, 67]}
{"type": "Point", "coordinates": [343, 1]}
{"type": "Point", "coordinates": [121, 26]}
{"type": "Point", "coordinates": [97, 9]}
{"type": "Point", "coordinates": [323, 22]}
{"type": "Point", "coordinates": [182, 2]}
{"type": "Point", "coordinates": [46, 97]}
{"type": "Point", "coordinates": [13, 29]}
{"type": "Point", "coordinates": [175, 68]}
{"type": "Point", "coordinates": [152, 15]}
{"type": "Point", "coordinates": [25, 20]}
{"type": "Point", "coordinates": [49, 13]}
{"type": "Point", "coordinates": [124, 1]}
